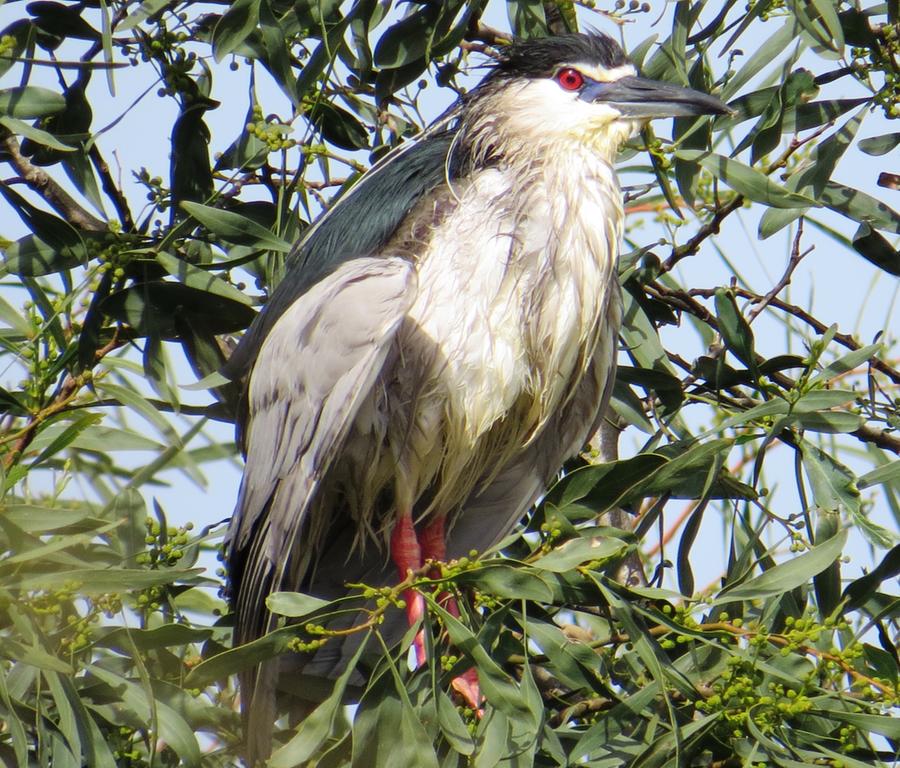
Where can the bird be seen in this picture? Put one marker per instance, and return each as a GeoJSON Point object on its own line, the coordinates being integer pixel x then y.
{"type": "Point", "coordinates": [444, 338]}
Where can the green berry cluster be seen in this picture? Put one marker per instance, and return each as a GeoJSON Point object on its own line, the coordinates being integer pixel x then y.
{"type": "Point", "coordinates": [8, 44]}
{"type": "Point", "coordinates": [52, 602]}
{"type": "Point", "coordinates": [176, 73]}
{"type": "Point", "coordinates": [455, 567]}
{"type": "Point", "coordinates": [157, 194]}
{"type": "Point", "coordinates": [270, 130]}
{"type": "Point", "coordinates": [631, 6]}
{"type": "Point", "coordinates": [113, 254]}
{"type": "Point", "coordinates": [166, 48]}
{"type": "Point", "coordinates": [662, 152]}
{"type": "Point", "coordinates": [298, 645]}
{"type": "Point", "coordinates": [384, 597]}
{"type": "Point", "coordinates": [72, 626]}
{"type": "Point", "coordinates": [165, 546]}
{"type": "Point", "coordinates": [550, 534]}
{"type": "Point", "coordinates": [741, 695]}
{"type": "Point", "coordinates": [125, 751]}
{"type": "Point", "coordinates": [806, 630]}
{"type": "Point", "coordinates": [882, 58]}
{"type": "Point", "coordinates": [682, 615]}
{"type": "Point", "coordinates": [39, 354]}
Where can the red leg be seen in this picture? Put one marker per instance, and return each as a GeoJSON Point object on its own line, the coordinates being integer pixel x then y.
{"type": "Point", "coordinates": [407, 556]}
{"type": "Point", "coordinates": [434, 540]}
{"type": "Point", "coordinates": [434, 547]}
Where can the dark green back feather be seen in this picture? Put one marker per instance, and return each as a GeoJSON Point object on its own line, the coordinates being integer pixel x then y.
{"type": "Point", "coordinates": [359, 225]}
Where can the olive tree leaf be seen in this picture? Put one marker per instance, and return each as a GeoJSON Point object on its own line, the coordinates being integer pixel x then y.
{"type": "Point", "coordinates": [787, 575]}
{"type": "Point", "coordinates": [745, 180]}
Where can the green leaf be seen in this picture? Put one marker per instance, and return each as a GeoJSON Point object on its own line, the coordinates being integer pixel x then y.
{"type": "Point", "coordinates": [338, 126]}
{"type": "Point", "coordinates": [510, 582]}
{"type": "Point", "coordinates": [36, 519]}
{"type": "Point", "coordinates": [577, 551]}
{"type": "Point", "coordinates": [814, 176]}
{"type": "Point", "coordinates": [408, 40]}
{"type": "Point", "coordinates": [67, 435]}
{"type": "Point", "coordinates": [527, 18]}
{"type": "Point", "coordinates": [20, 128]}
{"type": "Point", "coordinates": [30, 256]}
{"type": "Point", "coordinates": [95, 581]}
{"type": "Point", "coordinates": [387, 731]}
{"type": "Point", "coordinates": [832, 423]}
{"type": "Point", "coordinates": [162, 309]}
{"type": "Point", "coordinates": [833, 484]}
{"type": "Point", "coordinates": [816, 400]}
{"type": "Point", "coordinates": [846, 363]}
{"type": "Point", "coordinates": [320, 724]}
{"type": "Point", "coordinates": [201, 279]}
{"type": "Point", "coordinates": [603, 486]}
{"type": "Point", "coordinates": [234, 27]}
{"type": "Point", "coordinates": [886, 473]}
{"type": "Point", "coordinates": [858, 591]}
{"type": "Point", "coordinates": [745, 180]}
{"type": "Point", "coordinates": [886, 725]}
{"type": "Point", "coordinates": [30, 102]}
{"type": "Point", "coordinates": [735, 330]}
{"type": "Point", "coordinates": [452, 726]}
{"type": "Point", "coordinates": [816, 113]}
{"type": "Point", "coordinates": [294, 604]}
{"type": "Point", "coordinates": [234, 227]}
{"type": "Point", "coordinates": [496, 685]}
{"type": "Point", "coordinates": [166, 636]}
{"type": "Point", "coordinates": [242, 657]}
{"type": "Point", "coordinates": [860, 207]}
{"type": "Point", "coordinates": [143, 12]}
{"type": "Point", "coordinates": [173, 729]}
{"type": "Point", "coordinates": [788, 575]}
{"type": "Point", "coordinates": [880, 145]}
{"type": "Point", "coordinates": [34, 657]}
{"type": "Point", "coordinates": [876, 249]}
{"type": "Point", "coordinates": [574, 663]}
{"type": "Point", "coordinates": [820, 25]}
{"type": "Point", "coordinates": [103, 439]}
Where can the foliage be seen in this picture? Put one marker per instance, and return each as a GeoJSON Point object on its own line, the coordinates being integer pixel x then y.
{"type": "Point", "coordinates": [112, 652]}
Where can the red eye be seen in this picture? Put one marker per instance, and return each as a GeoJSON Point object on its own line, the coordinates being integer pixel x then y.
{"type": "Point", "coordinates": [570, 79]}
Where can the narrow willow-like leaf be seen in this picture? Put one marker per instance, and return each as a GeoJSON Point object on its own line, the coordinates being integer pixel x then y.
{"type": "Point", "coordinates": [788, 575]}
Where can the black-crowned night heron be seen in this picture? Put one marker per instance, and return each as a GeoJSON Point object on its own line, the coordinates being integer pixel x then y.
{"type": "Point", "coordinates": [445, 337]}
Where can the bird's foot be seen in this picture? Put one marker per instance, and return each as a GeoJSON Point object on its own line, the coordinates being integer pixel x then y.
{"type": "Point", "coordinates": [466, 685]}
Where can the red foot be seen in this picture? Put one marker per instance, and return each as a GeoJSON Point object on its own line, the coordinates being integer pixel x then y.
{"type": "Point", "coordinates": [466, 685]}
{"type": "Point", "coordinates": [409, 552]}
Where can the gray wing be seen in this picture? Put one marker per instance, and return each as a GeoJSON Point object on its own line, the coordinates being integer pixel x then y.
{"type": "Point", "coordinates": [315, 367]}
{"type": "Point", "coordinates": [317, 364]}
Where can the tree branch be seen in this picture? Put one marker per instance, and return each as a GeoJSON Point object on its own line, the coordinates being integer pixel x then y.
{"type": "Point", "coordinates": [112, 190]}
{"type": "Point", "coordinates": [41, 183]}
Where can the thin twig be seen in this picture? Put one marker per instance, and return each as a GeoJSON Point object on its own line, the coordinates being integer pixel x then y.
{"type": "Point", "coordinates": [793, 262]}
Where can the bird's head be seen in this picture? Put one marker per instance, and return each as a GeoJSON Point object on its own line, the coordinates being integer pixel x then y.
{"type": "Point", "coordinates": [577, 88]}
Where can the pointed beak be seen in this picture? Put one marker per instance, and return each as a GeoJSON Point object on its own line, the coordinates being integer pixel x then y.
{"type": "Point", "coordinates": [641, 98]}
